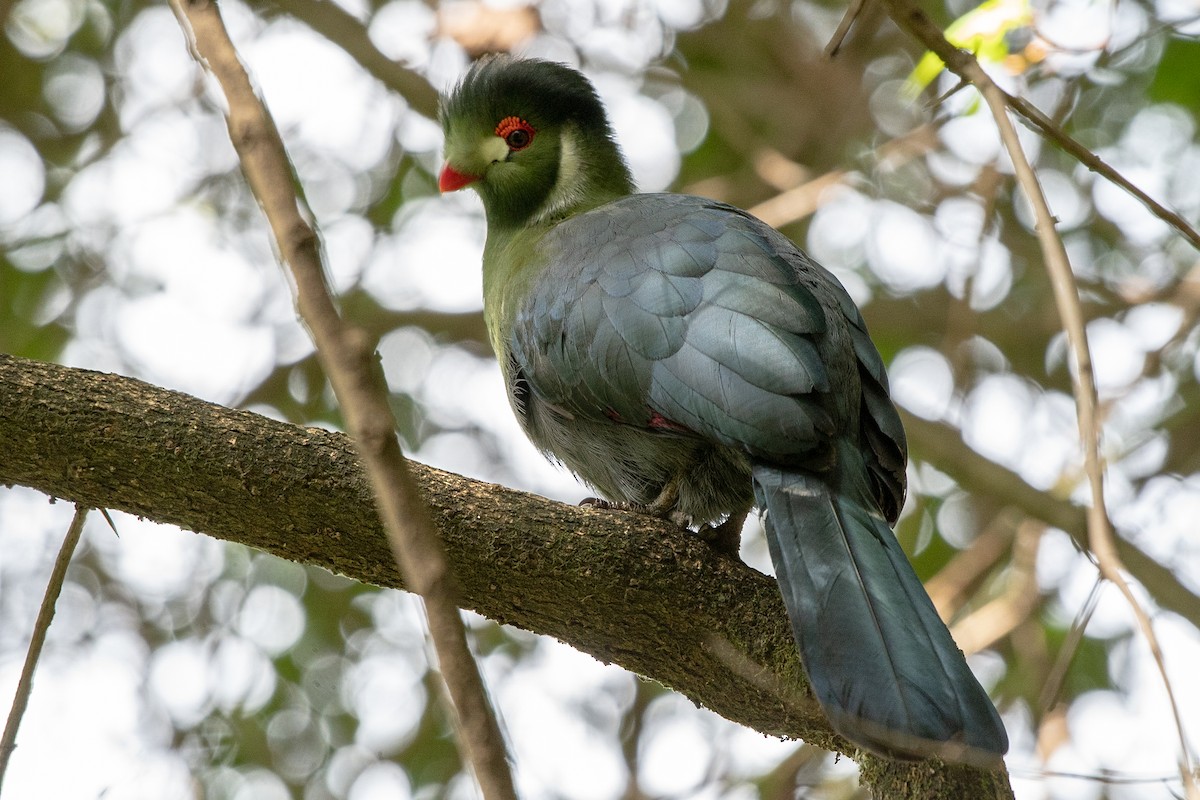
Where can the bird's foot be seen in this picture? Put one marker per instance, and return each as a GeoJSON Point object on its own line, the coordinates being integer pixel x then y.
{"type": "Point", "coordinates": [662, 507]}
{"type": "Point", "coordinates": [600, 502]}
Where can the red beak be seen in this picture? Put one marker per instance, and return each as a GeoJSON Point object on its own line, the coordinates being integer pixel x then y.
{"type": "Point", "coordinates": [451, 179]}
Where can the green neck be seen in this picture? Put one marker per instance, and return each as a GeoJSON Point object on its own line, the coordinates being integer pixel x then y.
{"type": "Point", "coordinates": [509, 269]}
{"type": "Point", "coordinates": [588, 172]}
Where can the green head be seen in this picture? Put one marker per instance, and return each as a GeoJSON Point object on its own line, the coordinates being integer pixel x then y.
{"type": "Point", "coordinates": [533, 139]}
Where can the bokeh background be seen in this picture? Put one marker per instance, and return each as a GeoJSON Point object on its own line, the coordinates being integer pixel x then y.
{"type": "Point", "coordinates": [181, 667]}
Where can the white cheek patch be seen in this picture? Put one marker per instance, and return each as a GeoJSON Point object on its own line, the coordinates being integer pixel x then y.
{"type": "Point", "coordinates": [494, 149]}
{"type": "Point", "coordinates": [568, 163]}
{"type": "Point", "coordinates": [568, 188]}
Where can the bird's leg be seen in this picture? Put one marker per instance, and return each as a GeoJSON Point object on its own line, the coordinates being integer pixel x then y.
{"type": "Point", "coordinates": [662, 506]}
{"type": "Point", "coordinates": [665, 506]}
{"type": "Point", "coordinates": [726, 537]}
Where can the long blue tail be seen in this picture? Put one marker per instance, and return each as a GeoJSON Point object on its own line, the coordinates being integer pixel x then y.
{"type": "Point", "coordinates": [881, 662]}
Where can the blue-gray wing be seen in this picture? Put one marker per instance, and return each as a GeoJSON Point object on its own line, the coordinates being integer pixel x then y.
{"type": "Point", "coordinates": [683, 314]}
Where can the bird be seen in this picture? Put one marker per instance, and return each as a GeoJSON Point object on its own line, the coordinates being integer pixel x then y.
{"type": "Point", "coordinates": [688, 361]}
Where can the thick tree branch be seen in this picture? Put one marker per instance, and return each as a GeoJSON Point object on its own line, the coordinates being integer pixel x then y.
{"type": "Point", "coordinates": [626, 589]}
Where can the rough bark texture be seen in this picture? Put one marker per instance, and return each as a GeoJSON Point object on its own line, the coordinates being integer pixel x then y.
{"type": "Point", "coordinates": [626, 589]}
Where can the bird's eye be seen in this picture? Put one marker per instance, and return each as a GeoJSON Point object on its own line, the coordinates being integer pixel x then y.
{"type": "Point", "coordinates": [516, 133]}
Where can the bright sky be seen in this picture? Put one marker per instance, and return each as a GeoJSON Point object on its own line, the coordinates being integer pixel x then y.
{"type": "Point", "coordinates": [197, 305]}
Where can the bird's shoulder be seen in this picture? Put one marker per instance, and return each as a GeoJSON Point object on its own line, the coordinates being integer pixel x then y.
{"type": "Point", "coordinates": [675, 233]}
{"type": "Point", "coordinates": [666, 254]}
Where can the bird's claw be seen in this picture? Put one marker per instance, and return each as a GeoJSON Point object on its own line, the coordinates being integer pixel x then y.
{"type": "Point", "coordinates": [600, 502]}
{"type": "Point", "coordinates": [651, 510]}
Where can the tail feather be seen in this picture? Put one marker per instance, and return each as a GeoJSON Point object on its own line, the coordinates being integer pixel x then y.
{"type": "Point", "coordinates": [881, 662]}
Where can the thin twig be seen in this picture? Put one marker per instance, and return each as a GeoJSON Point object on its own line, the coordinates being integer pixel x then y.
{"type": "Point", "coordinates": [1052, 684]}
{"type": "Point", "coordinates": [798, 202]}
{"type": "Point", "coordinates": [1103, 778]}
{"type": "Point", "coordinates": [1185, 297]}
{"type": "Point", "coordinates": [339, 26]}
{"type": "Point", "coordinates": [912, 19]}
{"type": "Point", "coordinates": [843, 28]}
{"type": "Point", "coordinates": [1095, 163]}
{"type": "Point", "coordinates": [633, 726]}
{"type": "Point", "coordinates": [1066, 296]}
{"type": "Point", "coordinates": [8, 742]}
{"type": "Point", "coordinates": [347, 356]}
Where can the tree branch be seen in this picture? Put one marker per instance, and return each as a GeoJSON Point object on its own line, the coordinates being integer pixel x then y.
{"type": "Point", "coordinates": [624, 588]}
{"type": "Point", "coordinates": [347, 356]}
{"type": "Point", "coordinates": [917, 23]}
{"type": "Point", "coordinates": [345, 30]}
{"type": "Point", "coordinates": [942, 446]}
{"type": "Point", "coordinates": [58, 575]}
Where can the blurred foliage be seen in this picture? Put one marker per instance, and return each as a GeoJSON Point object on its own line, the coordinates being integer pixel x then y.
{"type": "Point", "coordinates": [1174, 81]}
{"type": "Point", "coordinates": [986, 31]}
{"type": "Point", "coordinates": [924, 225]}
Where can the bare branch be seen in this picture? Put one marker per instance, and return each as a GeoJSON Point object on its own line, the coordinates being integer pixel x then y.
{"type": "Point", "coordinates": [343, 29]}
{"type": "Point", "coordinates": [58, 574]}
{"type": "Point", "coordinates": [1101, 538]}
{"type": "Point", "coordinates": [1052, 686]}
{"type": "Point", "coordinates": [942, 446]}
{"type": "Point", "coordinates": [347, 356]}
{"type": "Point", "coordinates": [955, 581]}
{"type": "Point", "coordinates": [839, 36]}
{"type": "Point", "coordinates": [1020, 598]}
{"type": "Point", "coordinates": [913, 20]}
{"type": "Point", "coordinates": [796, 203]}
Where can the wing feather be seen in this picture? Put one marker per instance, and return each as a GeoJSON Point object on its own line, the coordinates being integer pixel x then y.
{"type": "Point", "coordinates": [695, 311]}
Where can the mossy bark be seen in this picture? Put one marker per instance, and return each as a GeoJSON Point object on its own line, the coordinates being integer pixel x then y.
{"type": "Point", "coordinates": [625, 588]}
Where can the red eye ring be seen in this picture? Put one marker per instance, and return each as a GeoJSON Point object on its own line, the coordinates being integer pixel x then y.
{"type": "Point", "coordinates": [516, 133]}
